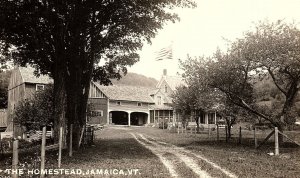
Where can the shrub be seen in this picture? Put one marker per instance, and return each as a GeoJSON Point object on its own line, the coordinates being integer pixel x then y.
{"type": "Point", "coordinates": [35, 112]}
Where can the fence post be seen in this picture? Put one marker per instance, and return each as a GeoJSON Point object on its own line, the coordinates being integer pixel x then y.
{"type": "Point", "coordinates": [60, 146]}
{"type": "Point", "coordinates": [43, 152]}
{"type": "Point", "coordinates": [240, 136]}
{"type": "Point", "coordinates": [255, 138]}
{"type": "Point", "coordinates": [15, 160]}
{"type": "Point", "coordinates": [208, 130]}
{"type": "Point", "coordinates": [226, 133]}
{"type": "Point", "coordinates": [276, 142]}
{"type": "Point", "coordinates": [71, 141]}
{"type": "Point", "coordinates": [218, 133]}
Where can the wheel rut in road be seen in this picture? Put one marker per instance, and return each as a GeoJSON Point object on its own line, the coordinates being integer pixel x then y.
{"type": "Point", "coordinates": [180, 161]}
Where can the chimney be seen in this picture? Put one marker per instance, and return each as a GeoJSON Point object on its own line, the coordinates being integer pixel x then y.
{"type": "Point", "coordinates": [165, 72]}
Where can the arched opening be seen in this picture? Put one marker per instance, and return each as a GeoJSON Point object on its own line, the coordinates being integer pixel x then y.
{"type": "Point", "coordinates": [138, 118]}
{"type": "Point", "coordinates": [119, 117]}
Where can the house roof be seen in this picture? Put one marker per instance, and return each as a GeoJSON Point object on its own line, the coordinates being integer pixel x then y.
{"type": "Point", "coordinates": [153, 91]}
{"type": "Point", "coordinates": [160, 107]}
{"type": "Point", "coordinates": [28, 76]}
{"type": "Point", "coordinates": [172, 81]}
{"type": "Point", "coordinates": [126, 93]}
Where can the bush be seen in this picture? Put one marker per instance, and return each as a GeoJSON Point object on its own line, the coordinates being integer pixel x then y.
{"type": "Point", "coordinates": [163, 125]}
{"type": "Point", "coordinates": [35, 112]}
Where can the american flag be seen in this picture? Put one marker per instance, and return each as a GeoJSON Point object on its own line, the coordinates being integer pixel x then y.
{"type": "Point", "coordinates": [164, 53]}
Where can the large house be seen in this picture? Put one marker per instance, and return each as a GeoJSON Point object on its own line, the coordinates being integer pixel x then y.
{"type": "Point", "coordinates": [118, 105]}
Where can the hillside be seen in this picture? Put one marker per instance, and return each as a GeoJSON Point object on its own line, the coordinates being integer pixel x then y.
{"type": "Point", "coordinates": [134, 79]}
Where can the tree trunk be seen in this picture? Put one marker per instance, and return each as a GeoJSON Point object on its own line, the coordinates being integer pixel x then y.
{"type": "Point", "coordinates": [228, 131]}
{"type": "Point", "coordinates": [59, 103]}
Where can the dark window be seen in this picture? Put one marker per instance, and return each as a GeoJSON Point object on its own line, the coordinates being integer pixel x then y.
{"type": "Point", "coordinates": [96, 113]}
{"type": "Point", "coordinates": [39, 87]}
{"type": "Point", "coordinates": [139, 104]}
{"type": "Point", "coordinates": [211, 118]}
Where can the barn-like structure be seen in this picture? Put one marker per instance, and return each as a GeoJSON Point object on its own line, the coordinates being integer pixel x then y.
{"type": "Point", "coordinates": [120, 105]}
{"type": "Point", "coordinates": [22, 85]}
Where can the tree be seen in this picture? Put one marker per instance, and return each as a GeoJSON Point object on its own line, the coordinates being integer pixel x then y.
{"type": "Point", "coordinates": [4, 80]}
{"type": "Point", "coordinates": [184, 100]}
{"type": "Point", "coordinates": [273, 49]}
{"type": "Point", "coordinates": [36, 111]}
{"type": "Point", "coordinates": [67, 40]}
{"type": "Point", "coordinates": [197, 96]}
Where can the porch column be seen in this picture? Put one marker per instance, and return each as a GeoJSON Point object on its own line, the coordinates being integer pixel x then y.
{"type": "Point", "coordinates": [148, 118]}
{"type": "Point", "coordinates": [169, 115]}
{"type": "Point", "coordinates": [108, 117]}
{"type": "Point", "coordinates": [154, 117]}
{"type": "Point", "coordinates": [174, 116]}
{"type": "Point", "coordinates": [158, 120]}
{"type": "Point", "coordinates": [206, 118]}
{"type": "Point", "coordinates": [215, 117]}
{"type": "Point", "coordinates": [129, 121]}
{"type": "Point", "coordinates": [108, 113]}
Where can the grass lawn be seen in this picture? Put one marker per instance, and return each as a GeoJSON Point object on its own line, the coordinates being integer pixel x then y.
{"type": "Point", "coordinates": [113, 149]}
{"type": "Point", "coordinates": [243, 160]}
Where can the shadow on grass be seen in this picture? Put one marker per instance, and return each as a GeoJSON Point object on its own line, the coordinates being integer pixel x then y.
{"type": "Point", "coordinates": [113, 149]}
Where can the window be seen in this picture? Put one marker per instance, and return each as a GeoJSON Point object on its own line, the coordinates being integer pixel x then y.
{"type": "Point", "coordinates": [39, 87]}
{"type": "Point", "coordinates": [119, 103]}
{"type": "Point", "coordinates": [166, 89]}
{"type": "Point", "coordinates": [159, 100]}
{"type": "Point", "coordinates": [139, 104]}
{"type": "Point", "coordinates": [96, 113]}
{"type": "Point", "coordinates": [211, 118]}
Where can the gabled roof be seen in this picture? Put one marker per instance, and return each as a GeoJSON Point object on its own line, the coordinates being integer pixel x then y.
{"type": "Point", "coordinates": [172, 81]}
{"type": "Point", "coordinates": [126, 93]}
{"type": "Point", "coordinates": [28, 76]}
{"type": "Point", "coordinates": [153, 91]}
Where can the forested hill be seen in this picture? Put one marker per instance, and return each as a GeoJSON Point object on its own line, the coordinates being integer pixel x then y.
{"type": "Point", "coordinates": [134, 79]}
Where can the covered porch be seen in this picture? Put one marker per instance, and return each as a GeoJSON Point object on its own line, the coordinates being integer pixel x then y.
{"type": "Point", "coordinates": [128, 118]}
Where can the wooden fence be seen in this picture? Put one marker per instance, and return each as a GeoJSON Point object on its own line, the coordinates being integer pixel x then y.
{"type": "Point", "coordinates": [3, 118]}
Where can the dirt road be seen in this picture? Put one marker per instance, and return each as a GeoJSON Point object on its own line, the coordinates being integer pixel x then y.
{"type": "Point", "coordinates": [179, 161]}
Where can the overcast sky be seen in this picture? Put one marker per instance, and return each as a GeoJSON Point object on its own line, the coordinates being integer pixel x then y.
{"type": "Point", "coordinates": [203, 29]}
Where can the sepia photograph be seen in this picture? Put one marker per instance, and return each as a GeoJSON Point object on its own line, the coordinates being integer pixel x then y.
{"type": "Point", "coordinates": [150, 88]}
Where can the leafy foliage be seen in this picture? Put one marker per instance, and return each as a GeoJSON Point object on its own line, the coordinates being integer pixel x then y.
{"type": "Point", "coordinates": [4, 80]}
{"type": "Point", "coordinates": [68, 39]}
{"type": "Point", "coordinates": [272, 51]}
{"type": "Point", "coordinates": [37, 111]}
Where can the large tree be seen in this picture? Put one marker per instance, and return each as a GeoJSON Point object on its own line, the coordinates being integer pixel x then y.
{"type": "Point", "coordinates": [200, 95]}
{"type": "Point", "coordinates": [67, 39]}
{"type": "Point", "coordinates": [272, 50]}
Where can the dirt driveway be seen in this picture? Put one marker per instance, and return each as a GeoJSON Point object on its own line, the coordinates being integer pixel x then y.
{"type": "Point", "coordinates": [178, 161]}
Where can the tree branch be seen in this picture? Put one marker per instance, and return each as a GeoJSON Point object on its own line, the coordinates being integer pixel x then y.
{"type": "Point", "coordinates": [275, 82]}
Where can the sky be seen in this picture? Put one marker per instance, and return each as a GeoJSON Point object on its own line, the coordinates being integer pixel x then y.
{"type": "Point", "coordinates": [204, 29]}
